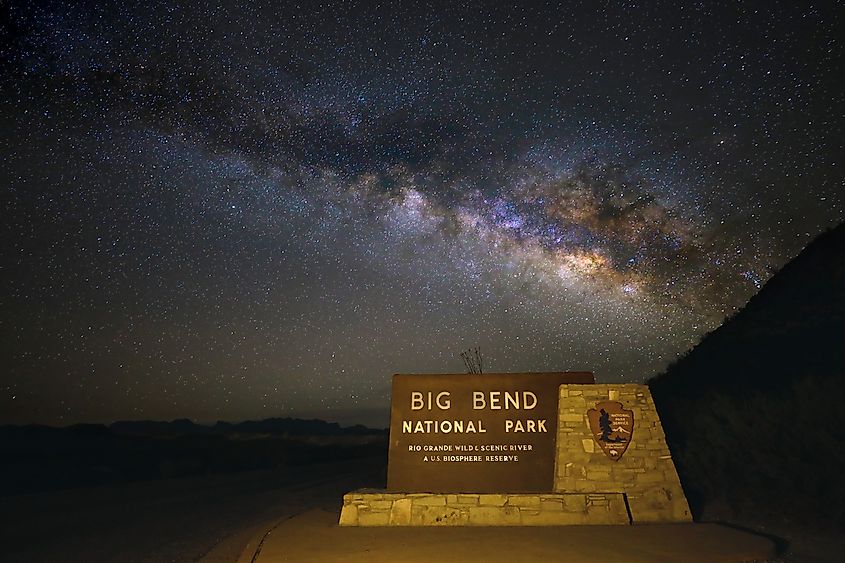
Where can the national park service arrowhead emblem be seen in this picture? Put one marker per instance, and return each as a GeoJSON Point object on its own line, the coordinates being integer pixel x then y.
{"type": "Point", "coordinates": [612, 426]}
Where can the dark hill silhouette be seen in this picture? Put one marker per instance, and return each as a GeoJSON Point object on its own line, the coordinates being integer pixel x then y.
{"type": "Point", "coordinates": [39, 458]}
{"type": "Point", "coordinates": [179, 426]}
{"type": "Point", "coordinates": [275, 426]}
{"type": "Point", "coordinates": [751, 412]}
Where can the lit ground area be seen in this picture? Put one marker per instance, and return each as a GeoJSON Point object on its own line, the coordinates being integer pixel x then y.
{"type": "Point", "coordinates": [313, 537]}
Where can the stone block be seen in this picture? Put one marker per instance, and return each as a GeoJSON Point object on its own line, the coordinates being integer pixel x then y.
{"type": "Point", "coordinates": [467, 499]}
{"type": "Point", "coordinates": [680, 509]}
{"type": "Point", "coordinates": [585, 486]}
{"type": "Point", "coordinates": [609, 514]}
{"type": "Point", "coordinates": [649, 516]}
{"type": "Point", "coordinates": [641, 434]}
{"type": "Point", "coordinates": [608, 486]}
{"type": "Point", "coordinates": [492, 500]}
{"type": "Point", "coordinates": [439, 516]}
{"type": "Point", "coordinates": [630, 462]}
{"type": "Point", "coordinates": [373, 518]}
{"type": "Point", "coordinates": [524, 500]}
{"type": "Point", "coordinates": [589, 445]}
{"type": "Point", "coordinates": [598, 473]}
{"type": "Point", "coordinates": [400, 512]}
{"type": "Point", "coordinates": [575, 503]}
{"type": "Point", "coordinates": [551, 505]}
{"type": "Point", "coordinates": [652, 476]}
{"type": "Point", "coordinates": [565, 484]}
{"type": "Point", "coordinates": [551, 519]}
{"type": "Point", "coordinates": [349, 515]}
{"type": "Point", "coordinates": [430, 500]}
{"type": "Point", "coordinates": [493, 516]}
{"type": "Point", "coordinates": [660, 504]}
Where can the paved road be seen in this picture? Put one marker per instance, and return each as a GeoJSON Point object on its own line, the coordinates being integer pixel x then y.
{"type": "Point", "coordinates": [173, 520]}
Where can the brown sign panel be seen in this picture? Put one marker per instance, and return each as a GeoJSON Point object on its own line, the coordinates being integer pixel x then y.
{"type": "Point", "coordinates": [463, 433]}
{"type": "Point", "coordinates": [612, 426]}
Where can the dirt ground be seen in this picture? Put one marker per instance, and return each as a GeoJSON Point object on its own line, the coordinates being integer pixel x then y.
{"type": "Point", "coordinates": [169, 520]}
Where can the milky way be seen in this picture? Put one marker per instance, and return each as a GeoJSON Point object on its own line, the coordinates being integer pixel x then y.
{"type": "Point", "coordinates": [248, 210]}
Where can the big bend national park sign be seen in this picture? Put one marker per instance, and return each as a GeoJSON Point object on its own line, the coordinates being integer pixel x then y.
{"type": "Point", "coordinates": [521, 449]}
{"type": "Point", "coordinates": [487, 433]}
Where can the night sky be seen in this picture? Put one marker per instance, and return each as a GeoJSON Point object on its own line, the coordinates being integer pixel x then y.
{"type": "Point", "coordinates": [245, 210]}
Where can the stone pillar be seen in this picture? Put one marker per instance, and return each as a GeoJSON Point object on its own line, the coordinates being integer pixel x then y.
{"type": "Point", "coordinates": [645, 473]}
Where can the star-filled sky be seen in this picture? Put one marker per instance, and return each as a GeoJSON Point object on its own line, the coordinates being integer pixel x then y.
{"type": "Point", "coordinates": [241, 210]}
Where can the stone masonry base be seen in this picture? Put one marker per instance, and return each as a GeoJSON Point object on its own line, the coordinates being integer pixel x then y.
{"type": "Point", "coordinates": [377, 508]}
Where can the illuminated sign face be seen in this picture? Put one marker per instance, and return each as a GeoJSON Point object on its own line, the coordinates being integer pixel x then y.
{"type": "Point", "coordinates": [475, 433]}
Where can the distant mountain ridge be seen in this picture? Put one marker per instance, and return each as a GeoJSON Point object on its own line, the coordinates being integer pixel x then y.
{"type": "Point", "coordinates": [750, 412]}
{"type": "Point", "coordinates": [285, 426]}
{"type": "Point", "coordinates": [39, 458]}
{"type": "Point", "coordinates": [186, 427]}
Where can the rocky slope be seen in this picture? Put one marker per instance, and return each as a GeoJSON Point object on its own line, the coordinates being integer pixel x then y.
{"type": "Point", "coordinates": [752, 413]}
